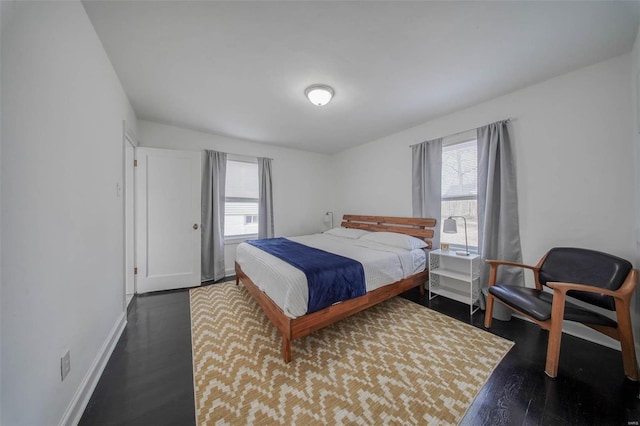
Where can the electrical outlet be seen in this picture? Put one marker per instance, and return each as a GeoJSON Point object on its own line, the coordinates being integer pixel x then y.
{"type": "Point", "coordinates": [65, 364]}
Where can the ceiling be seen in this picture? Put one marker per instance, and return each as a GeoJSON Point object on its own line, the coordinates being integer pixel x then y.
{"type": "Point", "coordinates": [240, 68]}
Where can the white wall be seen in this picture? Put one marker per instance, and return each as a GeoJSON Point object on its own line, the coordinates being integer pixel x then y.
{"type": "Point", "coordinates": [61, 220]}
{"type": "Point", "coordinates": [573, 158]}
{"type": "Point", "coordinates": [2, 17]}
{"type": "Point", "coordinates": [303, 184]}
{"type": "Point", "coordinates": [574, 161]}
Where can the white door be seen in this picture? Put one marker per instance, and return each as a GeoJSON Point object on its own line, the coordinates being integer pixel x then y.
{"type": "Point", "coordinates": [168, 219]}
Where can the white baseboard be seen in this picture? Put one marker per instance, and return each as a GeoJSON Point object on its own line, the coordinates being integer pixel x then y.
{"type": "Point", "coordinates": [76, 407]}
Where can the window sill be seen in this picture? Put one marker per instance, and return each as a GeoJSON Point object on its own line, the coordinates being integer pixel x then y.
{"type": "Point", "coordinates": [239, 239]}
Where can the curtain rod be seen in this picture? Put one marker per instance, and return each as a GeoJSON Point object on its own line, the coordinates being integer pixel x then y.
{"type": "Point", "coordinates": [242, 155]}
{"type": "Point", "coordinates": [468, 130]}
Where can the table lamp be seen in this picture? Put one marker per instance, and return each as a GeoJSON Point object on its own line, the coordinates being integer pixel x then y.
{"type": "Point", "coordinates": [450, 226]}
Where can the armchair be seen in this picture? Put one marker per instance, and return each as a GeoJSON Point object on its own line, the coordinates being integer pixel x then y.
{"type": "Point", "coordinates": [596, 278]}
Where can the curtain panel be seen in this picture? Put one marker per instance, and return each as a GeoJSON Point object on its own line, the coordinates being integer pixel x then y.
{"type": "Point", "coordinates": [426, 160]}
{"type": "Point", "coordinates": [498, 222]}
{"type": "Point", "coordinates": [265, 202]}
{"type": "Point", "coordinates": [214, 171]}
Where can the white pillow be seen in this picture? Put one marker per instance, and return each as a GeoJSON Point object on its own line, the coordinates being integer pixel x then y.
{"type": "Point", "coordinates": [347, 232]}
{"type": "Point", "coordinates": [406, 242]}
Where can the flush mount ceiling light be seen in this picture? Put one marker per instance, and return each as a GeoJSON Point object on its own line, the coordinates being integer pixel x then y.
{"type": "Point", "coordinates": [319, 94]}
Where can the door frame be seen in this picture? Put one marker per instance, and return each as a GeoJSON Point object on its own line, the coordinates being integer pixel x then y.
{"type": "Point", "coordinates": [129, 218]}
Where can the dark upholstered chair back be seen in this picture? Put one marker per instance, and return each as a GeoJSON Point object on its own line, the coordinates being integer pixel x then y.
{"type": "Point", "coordinates": [576, 265]}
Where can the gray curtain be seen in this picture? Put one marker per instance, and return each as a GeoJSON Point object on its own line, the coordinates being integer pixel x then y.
{"type": "Point", "coordinates": [498, 224]}
{"type": "Point", "coordinates": [265, 204]}
{"type": "Point", "coordinates": [427, 182]}
{"type": "Point", "coordinates": [214, 171]}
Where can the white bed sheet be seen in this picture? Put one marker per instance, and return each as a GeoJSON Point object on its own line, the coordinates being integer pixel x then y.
{"type": "Point", "coordinates": [287, 286]}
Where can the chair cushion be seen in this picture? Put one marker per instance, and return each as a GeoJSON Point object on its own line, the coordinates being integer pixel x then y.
{"type": "Point", "coordinates": [537, 304]}
{"type": "Point", "coordinates": [583, 266]}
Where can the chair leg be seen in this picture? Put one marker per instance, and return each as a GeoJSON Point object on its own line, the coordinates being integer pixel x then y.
{"type": "Point", "coordinates": [488, 314]}
{"type": "Point", "coordinates": [629, 359]}
{"type": "Point", "coordinates": [555, 335]}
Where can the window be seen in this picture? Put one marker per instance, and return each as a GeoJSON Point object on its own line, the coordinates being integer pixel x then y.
{"type": "Point", "coordinates": [241, 199]}
{"type": "Point", "coordinates": [250, 219]}
{"type": "Point", "coordinates": [460, 190]}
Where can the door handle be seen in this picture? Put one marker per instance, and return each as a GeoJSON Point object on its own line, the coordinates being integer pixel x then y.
{"type": "Point", "coordinates": [195, 226]}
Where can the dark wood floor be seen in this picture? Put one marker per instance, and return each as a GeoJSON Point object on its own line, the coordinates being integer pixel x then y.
{"type": "Point", "coordinates": [148, 380]}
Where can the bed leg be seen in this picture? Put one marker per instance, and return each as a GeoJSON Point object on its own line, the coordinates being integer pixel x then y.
{"type": "Point", "coordinates": [237, 280]}
{"type": "Point", "coordinates": [422, 289]}
{"type": "Point", "coordinates": [286, 349]}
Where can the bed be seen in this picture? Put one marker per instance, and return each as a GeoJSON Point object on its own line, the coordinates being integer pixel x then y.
{"type": "Point", "coordinates": [276, 286]}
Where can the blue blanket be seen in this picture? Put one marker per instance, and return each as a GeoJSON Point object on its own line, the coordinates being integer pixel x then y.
{"type": "Point", "coordinates": [331, 278]}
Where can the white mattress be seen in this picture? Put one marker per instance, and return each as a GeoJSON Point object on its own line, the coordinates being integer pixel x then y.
{"type": "Point", "coordinates": [287, 286]}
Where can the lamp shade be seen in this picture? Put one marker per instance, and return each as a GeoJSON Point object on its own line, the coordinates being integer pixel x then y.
{"type": "Point", "coordinates": [319, 94]}
{"type": "Point", "coordinates": [328, 218]}
{"type": "Point", "coordinates": [449, 226]}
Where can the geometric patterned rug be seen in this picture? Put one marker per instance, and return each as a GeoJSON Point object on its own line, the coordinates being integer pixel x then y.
{"type": "Point", "coordinates": [397, 362]}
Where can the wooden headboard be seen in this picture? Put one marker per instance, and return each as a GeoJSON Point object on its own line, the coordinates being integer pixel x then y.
{"type": "Point", "coordinates": [415, 226]}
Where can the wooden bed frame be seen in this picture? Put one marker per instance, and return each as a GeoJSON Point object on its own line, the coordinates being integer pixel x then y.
{"type": "Point", "coordinates": [295, 328]}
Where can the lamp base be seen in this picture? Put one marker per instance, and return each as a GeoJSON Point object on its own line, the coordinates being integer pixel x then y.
{"type": "Point", "coordinates": [463, 253]}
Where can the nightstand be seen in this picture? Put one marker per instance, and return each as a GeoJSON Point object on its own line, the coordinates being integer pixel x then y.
{"type": "Point", "coordinates": [455, 277]}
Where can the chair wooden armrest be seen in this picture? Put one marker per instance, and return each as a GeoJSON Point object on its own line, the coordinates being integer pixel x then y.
{"type": "Point", "coordinates": [507, 263]}
{"type": "Point", "coordinates": [624, 292]}
{"type": "Point", "coordinates": [493, 272]}
{"type": "Point", "coordinates": [565, 287]}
